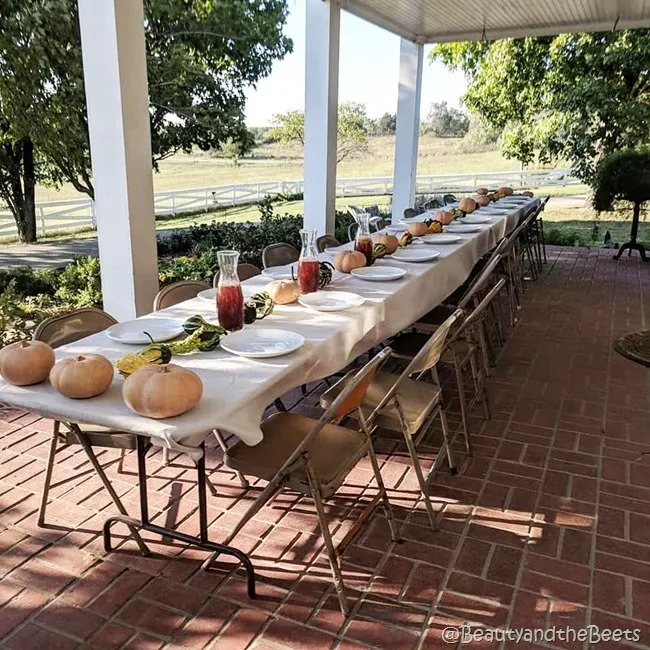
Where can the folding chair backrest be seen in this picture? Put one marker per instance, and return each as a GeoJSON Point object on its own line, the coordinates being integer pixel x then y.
{"type": "Point", "coordinates": [348, 401]}
{"type": "Point", "coordinates": [245, 271]}
{"type": "Point", "coordinates": [178, 292]}
{"type": "Point", "coordinates": [73, 326]}
{"type": "Point", "coordinates": [478, 311]}
{"type": "Point", "coordinates": [279, 255]}
{"type": "Point", "coordinates": [432, 350]}
{"type": "Point", "coordinates": [482, 279]}
{"type": "Point", "coordinates": [355, 211]}
{"type": "Point", "coordinates": [325, 241]}
{"type": "Point", "coordinates": [513, 237]}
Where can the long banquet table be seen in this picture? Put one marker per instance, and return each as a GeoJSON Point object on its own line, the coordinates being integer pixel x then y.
{"type": "Point", "coordinates": [237, 390]}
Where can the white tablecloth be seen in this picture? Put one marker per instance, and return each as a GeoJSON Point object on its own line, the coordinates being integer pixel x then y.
{"type": "Point", "coordinates": [237, 390]}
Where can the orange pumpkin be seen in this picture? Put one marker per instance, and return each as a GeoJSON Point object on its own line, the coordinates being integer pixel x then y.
{"type": "Point", "coordinates": [389, 241]}
{"type": "Point", "coordinates": [418, 228]}
{"type": "Point", "coordinates": [83, 376]}
{"type": "Point", "coordinates": [482, 191]}
{"type": "Point", "coordinates": [528, 193]}
{"type": "Point", "coordinates": [26, 362]}
{"type": "Point", "coordinates": [483, 201]}
{"type": "Point", "coordinates": [468, 205]}
{"type": "Point", "coordinates": [506, 191]}
{"type": "Point", "coordinates": [445, 217]}
{"type": "Point", "coordinates": [345, 261]}
{"type": "Point", "coordinates": [162, 391]}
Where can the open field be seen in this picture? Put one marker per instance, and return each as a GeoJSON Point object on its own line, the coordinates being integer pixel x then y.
{"type": "Point", "coordinates": [273, 162]}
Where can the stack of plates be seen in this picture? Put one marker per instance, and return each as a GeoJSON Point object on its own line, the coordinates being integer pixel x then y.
{"type": "Point", "coordinates": [475, 218]}
{"type": "Point", "coordinates": [378, 273]}
{"type": "Point", "coordinates": [462, 228]}
{"type": "Point", "coordinates": [415, 254]}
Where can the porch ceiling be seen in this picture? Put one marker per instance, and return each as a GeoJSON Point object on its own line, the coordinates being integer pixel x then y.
{"type": "Point", "coordinates": [471, 20]}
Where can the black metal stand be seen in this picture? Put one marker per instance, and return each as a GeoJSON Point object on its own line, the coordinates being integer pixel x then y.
{"type": "Point", "coordinates": [202, 541]}
{"type": "Point", "coordinates": [633, 244]}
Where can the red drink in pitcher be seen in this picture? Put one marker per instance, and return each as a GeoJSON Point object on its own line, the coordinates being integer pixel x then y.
{"type": "Point", "coordinates": [230, 307]}
{"type": "Point", "coordinates": [308, 272]}
{"type": "Point", "coordinates": [364, 245]}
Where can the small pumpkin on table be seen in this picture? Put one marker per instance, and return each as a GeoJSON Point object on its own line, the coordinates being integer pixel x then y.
{"type": "Point", "coordinates": [26, 362]}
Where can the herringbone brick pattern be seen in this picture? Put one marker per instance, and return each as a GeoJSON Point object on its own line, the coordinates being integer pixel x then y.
{"type": "Point", "coordinates": [548, 524]}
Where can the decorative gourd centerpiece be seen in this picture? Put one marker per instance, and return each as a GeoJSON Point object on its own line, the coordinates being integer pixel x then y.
{"type": "Point", "coordinates": [482, 191]}
{"type": "Point", "coordinates": [389, 241]}
{"type": "Point", "coordinates": [624, 176]}
{"type": "Point", "coordinates": [505, 191]}
{"type": "Point", "coordinates": [467, 205]}
{"type": "Point", "coordinates": [83, 376]}
{"type": "Point", "coordinates": [417, 229]}
{"type": "Point", "coordinates": [482, 201]}
{"type": "Point", "coordinates": [162, 391]}
{"type": "Point", "coordinates": [445, 217]}
{"type": "Point", "coordinates": [26, 362]}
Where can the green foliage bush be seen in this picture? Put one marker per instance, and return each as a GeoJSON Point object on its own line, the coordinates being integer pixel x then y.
{"type": "Point", "coordinates": [557, 237]}
{"type": "Point", "coordinates": [624, 175]}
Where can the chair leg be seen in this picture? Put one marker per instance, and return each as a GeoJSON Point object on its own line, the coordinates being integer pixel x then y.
{"type": "Point", "coordinates": [415, 462]}
{"type": "Point", "coordinates": [388, 510]}
{"type": "Point", "coordinates": [48, 473]}
{"type": "Point", "coordinates": [460, 382]}
{"type": "Point", "coordinates": [327, 538]}
{"type": "Point", "coordinates": [447, 438]}
{"type": "Point", "coordinates": [541, 230]}
{"type": "Point", "coordinates": [120, 462]}
{"type": "Point", "coordinates": [165, 456]}
{"type": "Point", "coordinates": [224, 448]}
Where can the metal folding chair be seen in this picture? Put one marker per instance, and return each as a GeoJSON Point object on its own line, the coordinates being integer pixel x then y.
{"type": "Point", "coordinates": [408, 404]}
{"type": "Point", "coordinates": [244, 272]}
{"type": "Point", "coordinates": [177, 292]}
{"type": "Point", "coordinates": [314, 457]}
{"type": "Point", "coordinates": [279, 255]}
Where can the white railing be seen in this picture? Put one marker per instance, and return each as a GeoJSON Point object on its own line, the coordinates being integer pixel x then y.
{"type": "Point", "coordinates": [80, 213]}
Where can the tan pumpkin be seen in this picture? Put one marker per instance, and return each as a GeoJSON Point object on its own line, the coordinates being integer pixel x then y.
{"type": "Point", "coordinates": [528, 193]}
{"type": "Point", "coordinates": [418, 228]}
{"type": "Point", "coordinates": [445, 217]}
{"type": "Point", "coordinates": [506, 191]}
{"type": "Point", "coordinates": [482, 191]}
{"type": "Point", "coordinates": [468, 205]}
{"type": "Point", "coordinates": [162, 391]}
{"type": "Point", "coordinates": [346, 261]}
{"type": "Point", "coordinates": [26, 362]}
{"type": "Point", "coordinates": [483, 201]}
{"type": "Point", "coordinates": [83, 376]}
{"type": "Point", "coordinates": [389, 241]}
{"type": "Point", "coordinates": [283, 292]}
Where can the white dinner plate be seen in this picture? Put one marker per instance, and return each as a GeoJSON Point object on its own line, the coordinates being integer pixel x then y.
{"type": "Point", "coordinates": [396, 227]}
{"type": "Point", "coordinates": [462, 228]}
{"type": "Point", "coordinates": [281, 272]}
{"type": "Point", "coordinates": [439, 238]}
{"type": "Point", "coordinates": [210, 295]}
{"type": "Point", "coordinates": [378, 273]}
{"type": "Point", "coordinates": [334, 250]}
{"type": "Point", "coordinates": [133, 332]}
{"type": "Point", "coordinates": [475, 218]}
{"type": "Point", "coordinates": [331, 300]}
{"type": "Point", "coordinates": [415, 254]}
{"type": "Point", "coordinates": [494, 212]}
{"type": "Point", "coordinates": [262, 343]}
{"type": "Point", "coordinates": [514, 199]}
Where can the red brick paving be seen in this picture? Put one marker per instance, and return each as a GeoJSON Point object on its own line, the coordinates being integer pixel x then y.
{"type": "Point", "coordinates": [549, 523]}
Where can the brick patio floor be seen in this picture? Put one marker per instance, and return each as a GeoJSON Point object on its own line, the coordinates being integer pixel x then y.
{"type": "Point", "coordinates": [548, 525]}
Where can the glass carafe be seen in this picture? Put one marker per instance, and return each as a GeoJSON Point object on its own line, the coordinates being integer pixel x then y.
{"type": "Point", "coordinates": [362, 240]}
{"type": "Point", "coordinates": [308, 264]}
{"type": "Point", "coordinates": [230, 298]}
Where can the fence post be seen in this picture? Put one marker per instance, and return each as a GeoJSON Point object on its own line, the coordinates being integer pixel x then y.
{"type": "Point", "coordinates": [234, 194]}
{"type": "Point", "coordinates": [174, 203]}
{"type": "Point", "coordinates": [42, 213]}
{"type": "Point", "coordinates": [93, 215]}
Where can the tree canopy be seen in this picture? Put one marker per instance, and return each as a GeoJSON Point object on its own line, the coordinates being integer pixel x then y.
{"type": "Point", "coordinates": [574, 97]}
{"type": "Point", "coordinates": [446, 121]}
{"type": "Point", "coordinates": [352, 138]}
{"type": "Point", "coordinates": [201, 55]}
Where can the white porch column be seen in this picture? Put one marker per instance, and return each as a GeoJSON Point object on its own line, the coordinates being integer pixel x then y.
{"type": "Point", "coordinates": [408, 126]}
{"type": "Point", "coordinates": [321, 108]}
{"type": "Point", "coordinates": [115, 74]}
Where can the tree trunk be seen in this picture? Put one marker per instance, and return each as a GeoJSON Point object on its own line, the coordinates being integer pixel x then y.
{"type": "Point", "coordinates": [29, 183]}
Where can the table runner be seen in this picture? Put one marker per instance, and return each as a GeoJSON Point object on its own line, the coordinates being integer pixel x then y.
{"type": "Point", "coordinates": [238, 390]}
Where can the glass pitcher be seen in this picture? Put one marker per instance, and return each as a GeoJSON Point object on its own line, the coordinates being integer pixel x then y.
{"type": "Point", "coordinates": [308, 264]}
{"type": "Point", "coordinates": [230, 298]}
{"type": "Point", "coordinates": [362, 240]}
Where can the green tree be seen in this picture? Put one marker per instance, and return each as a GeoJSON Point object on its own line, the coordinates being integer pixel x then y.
{"type": "Point", "coordinates": [201, 56]}
{"type": "Point", "coordinates": [384, 125]}
{"type": "Point", "coordinates": [446, 121]}
{"type": "Point", "coordinates": [575, 97]}
{"type": "Point", "coordinates": [352, 137]}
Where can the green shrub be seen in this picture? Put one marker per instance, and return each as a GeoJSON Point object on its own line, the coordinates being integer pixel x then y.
{"type": "Point", "coordinates": [623, 175]}
{"type": "Point", "coordinates": [28, 281]}
{"type": "Point", "coordinates": [557, 237]}
{"type": "Point", "coordinates": [79, 284]}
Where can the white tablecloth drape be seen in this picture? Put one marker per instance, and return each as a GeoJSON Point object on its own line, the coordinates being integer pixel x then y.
{"type": "Point", "coordinates": [237, 390]}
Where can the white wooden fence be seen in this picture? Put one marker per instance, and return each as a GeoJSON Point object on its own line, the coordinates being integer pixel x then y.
{"type": "Point", "coordinates": [80, 213]}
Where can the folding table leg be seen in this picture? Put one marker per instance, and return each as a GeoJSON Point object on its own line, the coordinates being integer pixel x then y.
{"type": "Point", "coordinates": [48, 473]}
{"type": "Point", "coordinates": [85, 443]}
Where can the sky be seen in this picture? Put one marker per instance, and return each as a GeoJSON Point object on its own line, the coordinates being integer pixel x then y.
{"type": "Point", "coordinates": [368, 72]}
